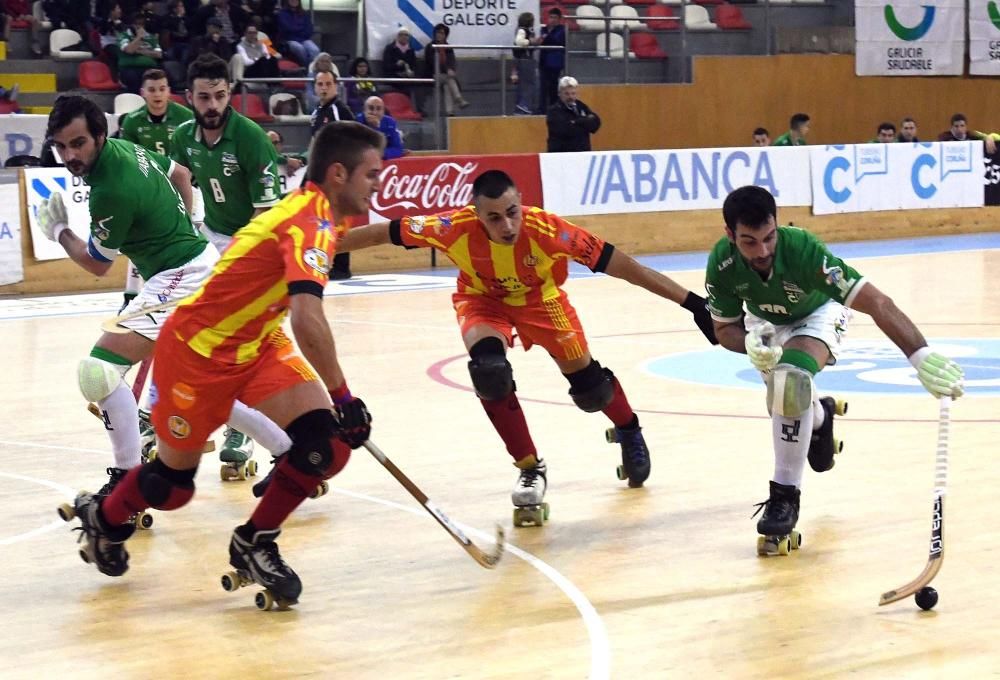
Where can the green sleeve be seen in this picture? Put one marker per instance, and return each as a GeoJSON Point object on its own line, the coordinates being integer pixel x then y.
{"type": "Point", "coordinates": [161, 161]}
{"type": "Point", "coordinates": [177, 149]}
{"type": "Point", "coordinates": [827, 273]}
{"type": "Point", "coordinates": [128, 131]}
{"type": "Point", "coordinates": [112, 216]}
{"type": "Point", "coordinates": [722, 303]}
{"type": "Point", "coordinates": [261, 167]}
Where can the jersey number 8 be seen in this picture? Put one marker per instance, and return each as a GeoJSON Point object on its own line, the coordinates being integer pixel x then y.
{"type": "Point", "coordinates": [217, 193]}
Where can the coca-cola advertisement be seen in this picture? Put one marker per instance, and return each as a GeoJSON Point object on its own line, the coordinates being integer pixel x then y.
{"type": "Point", "coordinates": [425, 185]}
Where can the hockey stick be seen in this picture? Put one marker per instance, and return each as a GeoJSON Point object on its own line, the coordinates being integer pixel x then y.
{"type": "Point", "coordinates": [112, 325]}
{"type": "Point", "coordinates": [488, 560]}
{"type": "Point", "coordinates": [936, 557]}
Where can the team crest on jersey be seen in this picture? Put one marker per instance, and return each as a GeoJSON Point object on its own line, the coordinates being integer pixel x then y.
{"type": "Point", "coordinates": [417, 224]}
{"type": "Point", "coordinates": [317, 259]}
{"type": "Point", "coordinates": [443, 225]}
{"type": "Point", "coordinates": [229, 158]}
{"type": "Point", "coordinates": [530, 260]}
{"type": "Point", "coordinates": [792, 292]}
{"type": "Point", "coordinates": [179, 427]}
{"type": "Point", "coordinates": [101, 233]}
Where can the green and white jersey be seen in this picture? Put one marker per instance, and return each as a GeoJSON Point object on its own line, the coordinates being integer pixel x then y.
{"type": "Point", "coordinates": [142, 129]}
{"type": "Point", "coordinates": [805, 274]}
{"type": "Point", "coordinates": [135, 210]}
{"type": "Point", "coordinates": [237, 175]}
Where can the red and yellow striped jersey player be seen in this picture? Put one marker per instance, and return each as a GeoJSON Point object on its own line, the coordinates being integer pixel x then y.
{"type": "Point", "coordinates": [512, 261]}
{"type": "Point", "coordinates": [224, 342]}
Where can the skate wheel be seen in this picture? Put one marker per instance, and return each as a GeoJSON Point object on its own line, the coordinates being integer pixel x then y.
{"type": "Point", "coordinates": [838, 446]}
{"type": "Point", "coordinates": [321, 490]}
{"type": "Point", "coordinates": [151, 456]}
{"type": "Point", "coordinates": [66, 511]}
{"type": "Point", "coordinates": [241, 472]}
{"type": "Point", "coordinates": [761, 546]}
{"type": "Point", "coordinates": [231, 582]}
{"type": "Point", "coordinates": [263, 600]}
{"type": "Point", "coordinates": [252, 468]}
{"type": "Point", "coordinates": [84, 556]}
{"type": "Point", "coordinates": [144, 520]}
{"type": "Point", "coordinates": [620, 472]}
{"type": "Point", "coordinates": [795, 540]}
{"type": "Point", "coordinates": [784, 546]}
{"type": "Point", "coordinates": [611, 435]}
{"type": "Point", "coordinates": [840, 407]}
{"type": "Point", "coordinates": [224, 472]}
{"type": "Point", "coordinates": [545, 512]}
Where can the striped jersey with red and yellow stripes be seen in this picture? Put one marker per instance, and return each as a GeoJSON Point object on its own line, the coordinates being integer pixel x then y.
{"type": "Point", "coordinates": [246, 297]}
{"type": "Point", "coordinates": [528, 272]}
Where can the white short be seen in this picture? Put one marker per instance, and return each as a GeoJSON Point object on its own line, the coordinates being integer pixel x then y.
{"type": "Point", "coordinates": [197, 206]}
{"type": "Point", "coordinates": [827, 324]}
{"type": "Point", "coordinates": [168, 285]}
{"type": "Point", "coordinates": [220, 241]}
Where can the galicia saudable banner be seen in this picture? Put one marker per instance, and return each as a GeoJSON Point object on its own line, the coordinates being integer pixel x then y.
{"type": "Point", "coordinates": [909, 37]}
{"type": "Point", "coordinates": [984, 37]}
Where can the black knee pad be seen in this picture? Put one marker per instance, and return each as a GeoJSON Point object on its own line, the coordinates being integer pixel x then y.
{"type": "Point", "coordinates": [492, 375]}
{"type": "Point", "coordinates": [312, 448]}
{"type": "Point", "coordinates": [592, 388]}
{"type": "Point", "coordinates": [164, 487]}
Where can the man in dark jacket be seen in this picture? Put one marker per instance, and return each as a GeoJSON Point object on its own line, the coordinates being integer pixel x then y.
{"type": "Point", "coordinates": [330, 107]}
{"type": "Point", "coordinates": [570, 121]}
{"type": "Point", "coordinates": [551, 62]}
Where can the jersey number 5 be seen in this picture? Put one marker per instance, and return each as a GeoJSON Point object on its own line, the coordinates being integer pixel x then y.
{"type": "Point", "coordinates": [217, 193]}
{"type": "Point", "coordinates": [160, 150]}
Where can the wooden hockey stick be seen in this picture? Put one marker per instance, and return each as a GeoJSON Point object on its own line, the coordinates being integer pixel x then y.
{"type": "Point", "coordinates": [140, 377]}
{"type": "Point", "coordinates": [936, 557]}
{"type": "Point", "coordinates": [112, 325]}
{"type": "Point", "coordinates": [487, 560]}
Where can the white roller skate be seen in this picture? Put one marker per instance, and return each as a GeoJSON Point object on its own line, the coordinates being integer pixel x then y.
{"type": "Point", "coordinates": [529, 492]}
{"type": "Point", "coordinates": [236, 456]}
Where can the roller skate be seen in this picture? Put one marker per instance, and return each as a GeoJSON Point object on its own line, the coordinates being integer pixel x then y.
{"type": "Point", "coordinates": [260, 487]}
{"type": "Point", "coordinates": [823, 445]}
{"type": "Point", "coordinates": [147, 437]}
{"type": "Point", "coordinates": [256, 559]}
{"type": "Point", "coordinates": [635, 455]}
{"type": "Point", "coordinates": [529, 490]}
{"type": "Point", "coordinates": [777, 525]}
{"type": "Point", "coordinates": [236, 456]}
{"type": "Point", "coordinates": [142, 519]}
{"type": "Point", "coordinates": [104, 545]}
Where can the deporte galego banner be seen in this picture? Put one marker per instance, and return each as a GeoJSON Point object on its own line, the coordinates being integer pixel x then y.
{"type": "Point", "coordinates": [868, 177]}
{"type": "Point", "coordinates": [685, 179]}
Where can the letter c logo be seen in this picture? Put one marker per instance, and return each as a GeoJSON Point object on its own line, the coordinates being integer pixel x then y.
{"type": "Point", "coordinates": [924, 191]}
{"type": "Point", "coordinates": [835, 195]}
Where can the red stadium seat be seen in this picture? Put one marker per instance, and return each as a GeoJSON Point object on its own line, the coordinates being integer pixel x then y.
{"type": "Point", "coordinates": [95, 75]}
{"type": "Point", "coordinates": [254, 108]}
{"type": "Point", "coordinates": [180, 99]}
{"type": "Point", "coordinates": [730, 18]}
{"type": "Point", "coordinates": [288, 67]}
{"type": "Point", "coordinates": [662, 18]}
{"type": "Point", "coordinates": [645, 46]}
{"type": "Point", "coordinates": [20, 24]}
{"type": "Point", "coordinates": [400, 107]}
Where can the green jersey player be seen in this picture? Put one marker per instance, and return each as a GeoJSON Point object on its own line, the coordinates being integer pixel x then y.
{"type": "Point", "coordinates": [152, 125]}
{"type": "Point", "coordinates": [138, 207]}
{"type": "Point", "coordinates": [797, 297]}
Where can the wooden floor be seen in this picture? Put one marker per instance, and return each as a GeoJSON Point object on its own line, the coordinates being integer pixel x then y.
{"type": "Point", "coordinates": [651, 583]}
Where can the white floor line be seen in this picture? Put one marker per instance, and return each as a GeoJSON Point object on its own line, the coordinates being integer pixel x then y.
{"type": "Point", "coordinates": [61, 488]}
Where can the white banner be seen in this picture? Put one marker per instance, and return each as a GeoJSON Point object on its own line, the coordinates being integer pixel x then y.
{"type": "Point", "coordinates": [598, 183]}
{"type": "Point", "coordinates": [11, 267]}
{"type": "Point", "coordinates": [866, 177]}
{"type": "Point", "coordinates": [41, 183]}
{"type": "Point", "coordinates": [984, 38]}
{"type": "Point", "coordinates": [290, 181]}
{"type": "Point", "coordinates": [472, 22]}
{"type": "Point", "coordinates": [23, 134]}
{"type": "Point", "coordinates": [909, 37]}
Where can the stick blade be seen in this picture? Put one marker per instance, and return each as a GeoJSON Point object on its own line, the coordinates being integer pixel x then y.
{"type": "Point", "coordinates": [492, 558]}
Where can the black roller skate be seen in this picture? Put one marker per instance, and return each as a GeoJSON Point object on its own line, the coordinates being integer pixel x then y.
{"type": "Point", "coordinates": [777, 525]}
{"type": "Point", "coordinates": [104, 545]}
{"type": "Point", "coordinates": [142, 519]}
{"type": "Point", "coordinates": [635, 456]}
{"type": "Point", "coordinates": [255, 556]}
{"type": "Point", "coordinates": [528, 495]}
{"type": "Point", "coordinates": [823, 445]}
{"type": "Point", "coordinates": [260, 487]}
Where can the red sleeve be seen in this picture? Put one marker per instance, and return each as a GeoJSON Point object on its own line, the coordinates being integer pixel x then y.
{"type": "Point", "coordinates": [307, 242]}
{"type": "Point", "coordinates": [561, 236]}
{"type": "Point", "coordinates": [436, 231]}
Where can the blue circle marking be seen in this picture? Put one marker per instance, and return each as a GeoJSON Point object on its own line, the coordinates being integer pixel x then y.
{"type": "Point", "coordinates": [864, 366]}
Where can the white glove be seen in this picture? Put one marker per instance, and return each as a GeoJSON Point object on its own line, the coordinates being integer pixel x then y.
{"type": "Point", "coordinates": [52, 216]}
{"type": "Point", "coordinates": [939, 375]}
{"type": "Point", "coordinates": [758, 341]}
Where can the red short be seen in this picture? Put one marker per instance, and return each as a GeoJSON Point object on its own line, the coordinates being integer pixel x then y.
{"type": "Point", "coordinates": [553, 324]}
{"type": "Point", "coordinates": [193, 396]}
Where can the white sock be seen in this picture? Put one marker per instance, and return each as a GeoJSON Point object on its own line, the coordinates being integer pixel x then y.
{"type": "Point", "coordinates": [122, 424]}
{"type": "Point", "coordinates": [260, 428]}
{"type": "Point", "coordinates": [819, 414]}
{"type": "Point", "coordinates": [791, 446]}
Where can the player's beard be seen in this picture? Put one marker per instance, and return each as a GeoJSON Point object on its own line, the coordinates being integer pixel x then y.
{"type": "Point", "coordinates": [762, 265]}
{"type": "Point", "coordinates": [215, 122]}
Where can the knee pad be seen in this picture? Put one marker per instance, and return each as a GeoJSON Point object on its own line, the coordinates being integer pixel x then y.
{"type": "Point", "coordinates": [789, 391]}
{"type": "Point", "coordinates": [99, 378]}
{"type": "Point", "coordinates": [592, 388]}
{"type": "Point", "coordinates": [316, 449]}
{"type": "Point", "coordinates": [492, 376]}
{"type": "Point", "coordinates": [165, 488]}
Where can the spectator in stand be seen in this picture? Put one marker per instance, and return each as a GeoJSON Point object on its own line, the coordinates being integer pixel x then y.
{"type": "Point", "coordinates": [138, 51]}
{"type": "Point", "coordinates": [175, 34]}
{"type": "Point", "coordinates": [525, 73]}
{"type": "Point", "coordinates": [908, 130]}
{"type": "Point", "coordinates": [266, 11]}
{"type": "Point", "coordinates": [291, 161]}
{"type": "Point", "coordinates": [960, 132]}
{"type": "Point", "coordinates": [231, 18]}
{"type": "Point", "coordinates": [761, 137]}
{"type": "Point", "coordinates": [322, 62]}
{"type": "Point", "coordinates": [551, 62]}
{"type": "Point", "coordinates": [374, 116]}
{"type": "Point", "coordinates": [154, 21]}
{"type": "Point", "coordinates": [448, 74]}
{"type": "Point", "coordinates": [569, 120]}
{"type": "Point", "coordinates": [20, 10]}
{"type": "Point", "coordinates": [212, 43]}
{"type": "Point", "coordinates": [360, 89]}
{"type": "Point", "coordinates": [886, 134]}
{"type": "Point", "coordinates": [252, 58]}
{"type": "Point", "coordinates": [296, 29]}
{"type": "Point", "coordinates": [329, 108]}
{"type": "Point", "coordinates": [798, 128]}
{"type": "Point", "coordinates": [110, 28]}
{"type": "Point", "coordinates": [399, 60]}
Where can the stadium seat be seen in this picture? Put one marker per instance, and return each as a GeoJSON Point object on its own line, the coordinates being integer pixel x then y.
{"type": "Point", "coordinates": [590, 18]}
{"type": "Point", "coordinates": [670, 2]}
{"type": "Point", "coordinates": [60, 39]}
{"type": "Point", "coordinates": [641, 2]}
{"type": "Point", "coordinates": [254, 107]}
{"type": "Point", "coordinates": [614, 46]}
{"type": "Point", "coordinates": [95, 75]}
{"type": "Point", "coordinates": [179, 98]}
{"type": "Point", "coordinates": [126, 102]}
{"type": "Point", "coordinates": [645, 46]}
{"type": "Point", "coordinates": [624, 14]}
{"type": "Point", "coordinates": [662, 18]}
{"type": "Point", "coordinates": [696, 19]}
{"type": "Point", "coordinates": [287, 67]}
{"type": "Point", "coordinates": [730, 18]}
{"type": "Point", "coordinates": [399, 106]}
{"type": "Point", "coordinates": [275, 101]}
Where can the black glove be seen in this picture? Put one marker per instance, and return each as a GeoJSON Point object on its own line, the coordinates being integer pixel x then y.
{"type": "Point", "coordinates": [355, 422]}
{"type": "Point", "coordinates": [128, 297]}
{"type": "Point", "coordinates": [696, 304]}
